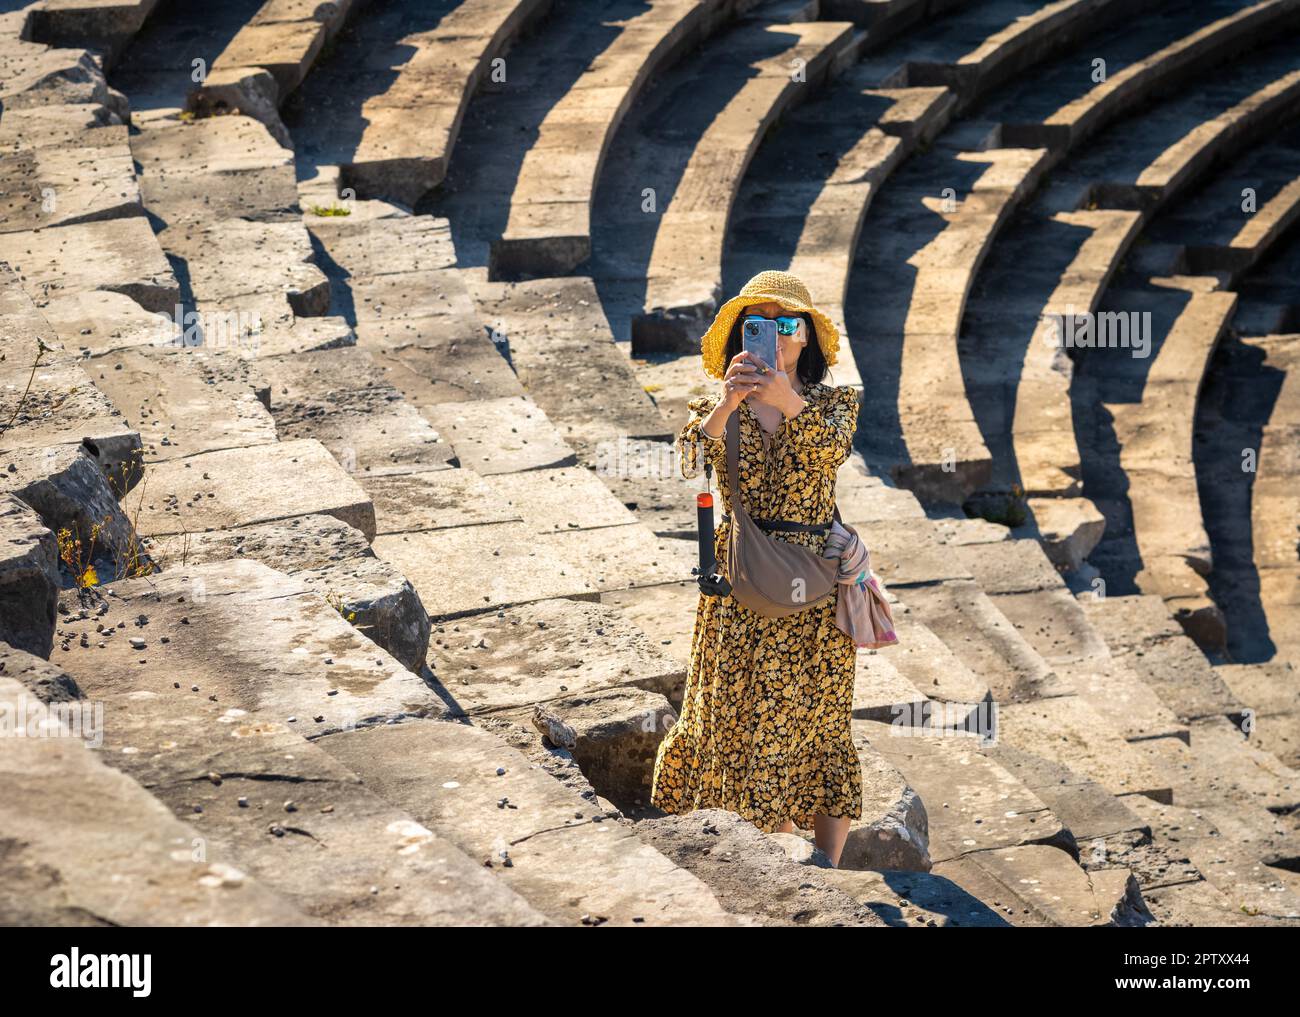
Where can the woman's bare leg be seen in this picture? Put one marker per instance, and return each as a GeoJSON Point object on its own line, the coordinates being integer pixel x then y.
{"type": "Point", "coordinates": [786, 827]}
{"type": "Point", "coordinates": [830, 834]}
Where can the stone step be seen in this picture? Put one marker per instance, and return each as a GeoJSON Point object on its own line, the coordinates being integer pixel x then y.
{"type": "Point", "coordinates": [1254, 892]}
{"type": "Point", "coordinates": [1038, 885]}
{"type": "Point", "coordinates": [1255, 572]}
{"type": "Point", "coordinates": [37, 76]}
{"type": "Point", "coordinates": [91, 847]}
{"type": "Point", "coordinates": [1022, 582]}
{"type": "Point", "coordinates": [938, 219]}
{"type": "Point", "coordinates": [972, 803]}
{"type": "Point", "coordinates": [1201, 903]}
{"type": "Point", "coordinates": [1103, 830]}
{"type": "Point", "coordinates": [776, 65]}
{"type": "Point", "coordinates": [1142, 635]}
{"type": "Point", "coordinates": [952, 689]}
{"type": "Point", "coordinates": [395, 277]}
{"type": "Point", "coordinates": [340, 398]}
{"type": "Point", "coordinates": [502, 435]}
{"type": "Point", "coordinates": [54, 405]}
{"type": "Point", "coordinates": [1202, 243]}
{"type": "Point", "coordinates": [1268, 305]}
{"type": "Point", "coordinates": [106, 27]}
{"type": "Point", "coordinates": [499, 564]}
{"type": "Point", "coordinates": [87, 178]}
{"type": "Point", "coordinates": [1144, 169]}
{"type": "Point", "coordinates": [294, 817]}
{"type": "Point", "coordinates": [666, 614]}
{"type": "Point", "coordinates": [1222, 769]}
{"type": "Point", "coordinates": [1194, 40]}
{"type": "Point", "coordinates": [564, 354]}
{"type": "Point", "coordinates": [451, 498]}
{"type": "Point", "coordinates": [1232, 130]}
{"type": "Point", "coordinates": [222, 167]}
{"type": "Point", "coordinates": [62, 126]}
{"type": "Point", "coordinates": [1046, 454]}
{"type": "Point", "coordinates": [1049, 459]}
{"type": "Point", "coordinates": [1156, 457]}
{"type": "Point", "coordinates": [183, 400]}
{"type": "Point", "coordinates": [254, 638]}
{"type": "Point", "coordinates": [29, 579]}
{"type": "Point", "coordinates": [242, 486]}
{"type": "Point", "coordinates": [1271, 690]}
{"type": "Point", "coordinates": [560, 500]}
{"type": "Point", "coordinates": [261, 272]}
{"type": "Point", "coordinates": [751, 873]}
{"type": "Point", "coordinates": [283, 39]}
{"type": "Point", "coordinates": [116, 256]}
{"type": "Point", "coordinates": [568, 859]}
{"type": "Point", "coordinates": [548, 231]}
{"type": "Point", "coordinates": [811, 221]}
{"type": "Point", "coordinates": [330, 557]}
{"type": "Point", "coordinates": [971, 625]}
{"type": "Point", "coordinates": [1012, 37]}
{"type": "Point", "coordinates": [1066, 730]}
{"type": "Point", "coordinates": [531, 653]}
{"type": "Point", "coordinates": [412, 57]}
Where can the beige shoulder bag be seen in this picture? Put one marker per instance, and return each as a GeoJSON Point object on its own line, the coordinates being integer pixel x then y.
{"type": "Point", "coordinates": [770, 577]}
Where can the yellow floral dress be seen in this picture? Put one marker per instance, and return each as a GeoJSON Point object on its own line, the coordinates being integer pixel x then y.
{"type": "Point", "coordinates": [764, 729]}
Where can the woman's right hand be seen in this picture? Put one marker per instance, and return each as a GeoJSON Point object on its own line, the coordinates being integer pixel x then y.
{"type": "Point", "coordinates": [740, 379]}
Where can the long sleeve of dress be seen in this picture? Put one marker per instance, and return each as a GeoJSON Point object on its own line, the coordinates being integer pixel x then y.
{"type": "Point", "coordinates": [822, 433]}
{"type": "Point", "coordinates": [693, 447]}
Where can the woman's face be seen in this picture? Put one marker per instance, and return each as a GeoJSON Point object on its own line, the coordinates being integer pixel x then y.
{"type": "Point", "coordinates": [791, 345]}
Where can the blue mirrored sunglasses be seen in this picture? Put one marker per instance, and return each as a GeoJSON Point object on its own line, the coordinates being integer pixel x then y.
{"type": "Point", "coordinates": [785, 325]}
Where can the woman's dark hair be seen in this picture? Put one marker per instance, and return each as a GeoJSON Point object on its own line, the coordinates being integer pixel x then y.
{"type": "Point", "coordinates": [811, 367]}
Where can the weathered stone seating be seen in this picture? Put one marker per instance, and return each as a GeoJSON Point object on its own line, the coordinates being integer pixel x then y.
{"type": "Point", "coordinates": [298, 671]}
{"type": "Point", "coordinates": [432, 68]}
{"type": "Point", "coordinates": [106, 26]}
{"type": "Point", "coordinates": [564, 355]}
{"type": "Point", "coordinates": [29, 579]}
{"type": "Point", "coordinates": [474, 475]}
{"type": "Point", "coordinates": [549, 229]}
{"type": "Point", "coordinates": [107, 850]}
{"type": "Point", "coordinates": [1042, 445]}
{"type": "Point", "coordinates": [394, 277]}
{"type": "Point", "coordinates": [684, 270]}
{"type": "Point", "coordinates": [111, 256]}
{"type": "Point", "coordinates": [574, 864]}
{"type": "Point", "coordinates": [1195, 239]}
{"type": "Point", "coordinates": [267, 58]}
{"type": "Point", "coordinates": [1274, 502]}
{"type": "Point", "coordinates": [1195, 37]}
{"type": "Point", "coordinates": [910, 331]}
{"type": "Point", "coordinates": [818, 220]}
{"type": "Point", "coordinates": [1012, 37]}
{"type": "Point", "coordinates": [1155, 439]}
{"type": "Point", "coordinates": [240, 486]}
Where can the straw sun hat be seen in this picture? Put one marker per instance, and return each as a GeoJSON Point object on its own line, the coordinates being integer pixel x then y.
{"type": "Point", "coordinates": [781, 287]}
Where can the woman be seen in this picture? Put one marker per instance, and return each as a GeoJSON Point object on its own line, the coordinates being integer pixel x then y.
{"type": "Point", "coordinates": [764, 729]}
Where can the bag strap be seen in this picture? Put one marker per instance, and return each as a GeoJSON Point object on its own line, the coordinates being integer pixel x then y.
{"type": "Point", "coordinates": [733, 457]}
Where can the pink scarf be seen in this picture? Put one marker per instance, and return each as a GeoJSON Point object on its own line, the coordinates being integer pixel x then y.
{"type": "Point", "coordinates": [862, 611]}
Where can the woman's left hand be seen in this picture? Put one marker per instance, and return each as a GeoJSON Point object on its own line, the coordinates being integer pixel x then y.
{"type": "Point", "coordinates": [774, 388]}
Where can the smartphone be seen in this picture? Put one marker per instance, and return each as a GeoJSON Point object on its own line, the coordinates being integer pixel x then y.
{"type": "Point", "coordinates": [760, 339]}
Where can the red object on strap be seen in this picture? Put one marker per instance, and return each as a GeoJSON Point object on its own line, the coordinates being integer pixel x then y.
{"type": "Point", "coordinates": [704, 500]}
